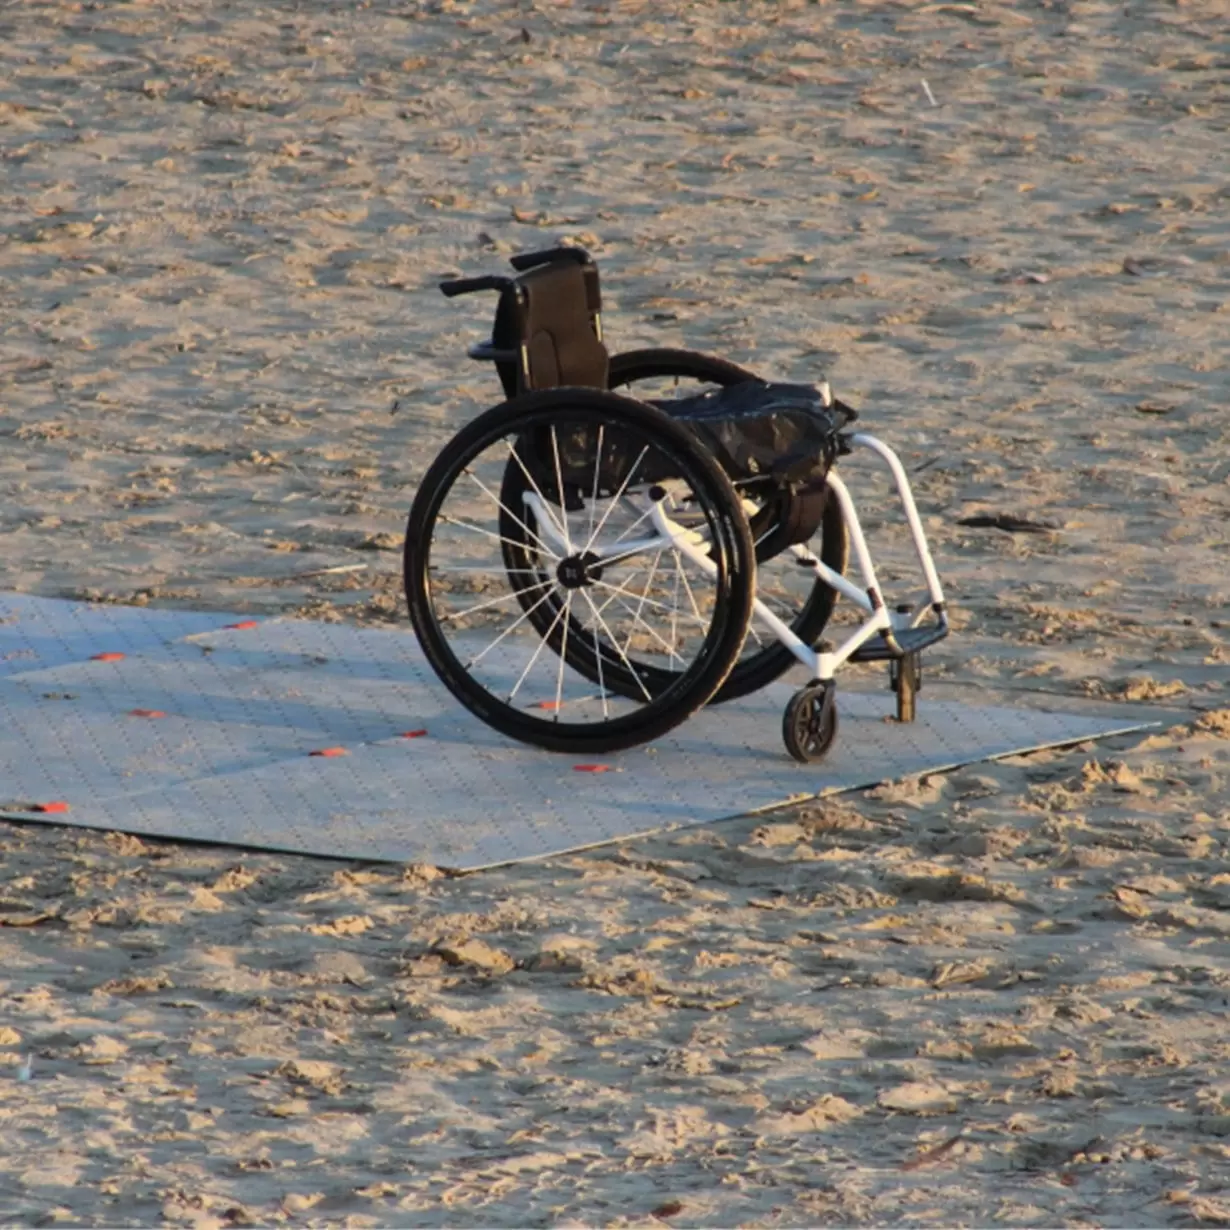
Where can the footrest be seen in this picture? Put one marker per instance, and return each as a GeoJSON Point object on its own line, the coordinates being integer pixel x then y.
{"type": "Point", "coordinates": [910, 640]}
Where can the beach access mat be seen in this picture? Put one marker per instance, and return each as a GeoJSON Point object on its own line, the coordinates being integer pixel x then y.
{"type": "Point", "coordinates": [334, 740]}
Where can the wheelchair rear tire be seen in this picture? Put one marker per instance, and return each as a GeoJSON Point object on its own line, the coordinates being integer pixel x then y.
{"type": "Point", "coordinates": [678, 372]}
{"type": "Point", "coordinates": [490, 585]}
{"type": "Point", "coordinates": [655, 373]}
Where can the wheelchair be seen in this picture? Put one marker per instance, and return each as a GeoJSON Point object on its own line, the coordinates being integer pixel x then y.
{"type": "Point", "coordinates": [626, 539]}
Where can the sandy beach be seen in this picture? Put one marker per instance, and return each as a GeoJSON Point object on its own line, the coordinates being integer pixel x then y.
{"type": "Point", "coordinates": [1002, 231]}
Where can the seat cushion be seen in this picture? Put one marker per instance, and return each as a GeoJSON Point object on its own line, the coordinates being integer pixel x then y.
{"type": "Point", "coordinates": [758, 430]}
{"type": "Point", "coordinates": [776, 442]}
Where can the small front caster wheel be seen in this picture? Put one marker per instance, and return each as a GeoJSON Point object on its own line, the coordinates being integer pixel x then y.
{"type": "Point", "coordinates": [809, 724]}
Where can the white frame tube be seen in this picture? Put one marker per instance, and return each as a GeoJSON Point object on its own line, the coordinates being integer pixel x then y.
{"type": "Point", "coordinates": [869, 598]}
{"type": "Point", "coordinates": [914, 521]}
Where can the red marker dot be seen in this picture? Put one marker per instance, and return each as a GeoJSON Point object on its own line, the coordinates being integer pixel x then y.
{"type": "Point", "coordinates": [591, 768]}
{"type": "Point", "coordinates": [330, 751]}
{"type": "Point", "coordinates": [243, 624]}
{"type": "Point", "coordinates": [146, 713]}
{"type": "Point", "coordinates": [412, 734]}
{"type": "Point", "coordinates": [547, 704]}
{"type": "Point", "coordinates": [50, 807]}
{"type": "Point", "coordinates": [106, 657]}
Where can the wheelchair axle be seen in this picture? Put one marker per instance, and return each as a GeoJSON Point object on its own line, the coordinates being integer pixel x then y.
{"type": "Point", "coordinates": [578, 571]}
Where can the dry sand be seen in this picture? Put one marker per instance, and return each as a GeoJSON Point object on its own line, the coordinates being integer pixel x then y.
{"type": "Point", "coordinates": [996, 997]}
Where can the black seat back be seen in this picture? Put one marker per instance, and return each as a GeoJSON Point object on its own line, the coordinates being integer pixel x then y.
{"type": "Point", "coordinates": [562, 346]}
{"type": "Point", "coordinates": [548, 324]}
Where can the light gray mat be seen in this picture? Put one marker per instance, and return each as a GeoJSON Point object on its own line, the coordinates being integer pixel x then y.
{"type": "Point", "coordinates": [174, 724]}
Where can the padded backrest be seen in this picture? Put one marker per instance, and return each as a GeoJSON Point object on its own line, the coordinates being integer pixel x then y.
{"type": "Point", "coordinates": [557, 327]}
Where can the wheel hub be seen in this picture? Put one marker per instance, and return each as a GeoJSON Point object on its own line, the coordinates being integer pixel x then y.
{"type": "Point", "coordinates": [578, 571]}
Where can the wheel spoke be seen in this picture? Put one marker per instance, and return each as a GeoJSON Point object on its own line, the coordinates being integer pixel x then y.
{"type": "Point", "coordinates": [751, 631]}
{"type": "Point", "coordinates": [512, 627]}
{"type": "Point", "coordinates": [653, 571]}
{"type": "Point", "coordinates": [593, 499]}
{"type": "Point", "coordinates": [640, 683]}
{"type": "Point", "coordinates": [636, 619]}
{"type": "Point", "coordinates": [636, 465]}
{"type": "Point", "coordinates": [559, 489]}
{"type": "Point", "coordinates": [661, 606]}
{"type": "Point", "coordinates": [675, 603]}
{"type": "Point", "coordinates": [638, 522]}
{"type": "Point", "coordinates": [500, 571]}
{"type": "Point", "coordinates": [542, 644]}
{"type": "Point", "coordinates": [610, 601]}
{"type": "Point", "coordinates": [598, 655]}
{"type": "Point", "coordinates": [785, 608]}
{"type": "Point", "coordinates": [478, 529]}
{"type": "Point", "coordinates": [687, 585]}
{"type": "Point", "coordinates": [563, 655]}
{"type": "Point", "coordinates": [562, 530]}
{"type": "Point", "coordinates": [483, 606]}
{"type": "Point", "coordinates": [504, 508]}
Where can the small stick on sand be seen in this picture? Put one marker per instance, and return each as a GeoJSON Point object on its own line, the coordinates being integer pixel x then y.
{"type": "Point", "coordinates": [324, 572]}
{"type": "Point", "coordinates": [935, 1153]}
{"type": "Point", "coordinates": [927, 91]}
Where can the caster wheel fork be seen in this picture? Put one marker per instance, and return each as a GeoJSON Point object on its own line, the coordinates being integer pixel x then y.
{"type": "Point", "coordinates": [905, 678]}
{"type": "Point", "coordinates": [809, 724]}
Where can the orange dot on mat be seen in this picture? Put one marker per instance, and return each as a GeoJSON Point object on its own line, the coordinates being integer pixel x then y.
{"type": "Point", "coordinates": [51, 807]}
{"type": "Point", "coordinates": [146, 713]}
{"type": "Point", "coordinates": [244, 624]}
{"type": "Point", "coordinates": [591, 768]}
{"type": "Point", "coordinates": [106, 657]}
{"type": "Point", "coordinates": [412, 734]}
{"type": "Point", "coordinates": [330, 751]}
{"type": "Point", "coordinates": [547, 704]}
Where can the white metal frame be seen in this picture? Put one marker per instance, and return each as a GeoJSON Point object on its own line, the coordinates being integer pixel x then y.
{"type": "Point", "coordinates": [880, 621]}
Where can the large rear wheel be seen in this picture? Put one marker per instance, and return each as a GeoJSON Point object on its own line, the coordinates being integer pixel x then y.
{"type": "Point", "coordinates": [543, 589]}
